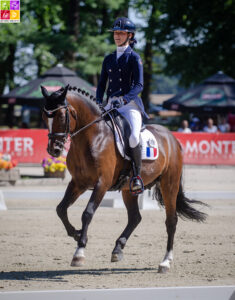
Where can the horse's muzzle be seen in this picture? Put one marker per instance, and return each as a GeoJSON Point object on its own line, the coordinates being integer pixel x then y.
{"type": "Point", "coordinates": [55, 148]}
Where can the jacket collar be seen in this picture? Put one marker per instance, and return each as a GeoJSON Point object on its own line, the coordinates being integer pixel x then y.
{"type": "Point", "coordinates": [127, 51]}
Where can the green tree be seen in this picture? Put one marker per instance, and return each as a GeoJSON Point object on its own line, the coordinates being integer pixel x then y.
{"type": "Point", "coordinates": [197, 38]}
{"type": "Point", "coordinates": [94, 41]}
{"type": "Point", "coordinates": [149, 12]}
{"type": "Point", "coordinates": [69, 31]}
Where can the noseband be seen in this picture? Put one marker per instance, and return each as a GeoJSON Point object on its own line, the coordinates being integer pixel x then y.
{"type": "Point", "coordinates": [51, 114]}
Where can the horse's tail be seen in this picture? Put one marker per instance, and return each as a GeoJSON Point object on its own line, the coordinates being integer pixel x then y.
{"type": "Point", "coordinates": [184, 208]}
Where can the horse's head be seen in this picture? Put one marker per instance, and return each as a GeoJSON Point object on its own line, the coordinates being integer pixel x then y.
{"type": "Point", "coordinates": [57, 117]}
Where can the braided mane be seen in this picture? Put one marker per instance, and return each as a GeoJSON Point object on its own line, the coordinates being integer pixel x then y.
{"type": "Point", "coordinates": [86, 96]}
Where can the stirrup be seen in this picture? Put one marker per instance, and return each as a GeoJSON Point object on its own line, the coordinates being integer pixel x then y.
{"type": "Point", "coordinates": [140, 190]}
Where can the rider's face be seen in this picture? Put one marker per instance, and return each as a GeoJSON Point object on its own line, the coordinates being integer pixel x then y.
{"type": "Point", "coordinates": [120, 37]}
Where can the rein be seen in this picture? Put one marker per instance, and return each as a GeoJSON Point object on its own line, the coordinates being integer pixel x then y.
{"type": "Point", "coordinates": [93, 122]}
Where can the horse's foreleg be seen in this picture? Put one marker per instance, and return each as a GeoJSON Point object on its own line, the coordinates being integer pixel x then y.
{"type": "Point", "coordinates": [134, 218]}
{"type": "Point", "coordinates": [96, 198]}
{"type": "Point", "coordinates": [169, 190]}
{"type": "Point", "coordinates": [71, 195]}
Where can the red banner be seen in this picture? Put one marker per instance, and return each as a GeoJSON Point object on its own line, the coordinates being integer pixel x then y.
{"type": "Point", "coordinates": [207, 148]}
{"type": "Point", "coordinates": [29, 146]}
{"type": "Point", "coordinates": [24, 145]}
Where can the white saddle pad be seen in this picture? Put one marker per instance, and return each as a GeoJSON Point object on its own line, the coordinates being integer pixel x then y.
{"type": "Point", "coordinates": [150, 150]}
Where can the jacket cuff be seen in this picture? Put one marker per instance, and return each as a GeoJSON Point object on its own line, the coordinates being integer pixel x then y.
{"type": "Point", "coordinates": [127, 98]}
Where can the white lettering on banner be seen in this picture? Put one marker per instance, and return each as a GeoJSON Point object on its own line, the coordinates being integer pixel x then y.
{"type": "Point", "coordinates": [28, 144]}
{"type": "Point", "coordinates": [210, 147]}
{"type": "Point", "coordinates": [233, 147]}
{"type": "Point", "coordinates": [226, 144]}
{"type": "Point", "coordinates": [16, 144]}
{"type": "Point", "coordinates": [8, 141]}
{"type": "Point", "coordinates": [190, 148]}
{"type": "Point", "coordinates": [216, 147]}
{"type": "Point", "coordinates": [202, 149]}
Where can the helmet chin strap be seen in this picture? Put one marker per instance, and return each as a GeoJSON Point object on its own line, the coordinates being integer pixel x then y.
{"type": "Point", "coordinates": [124, 43]}
{"type": "Point", "coordinates": [127, 40]}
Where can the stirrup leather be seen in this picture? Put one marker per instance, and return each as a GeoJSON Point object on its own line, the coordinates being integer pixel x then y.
{"type": "Point", "coordinates": [140, 190]}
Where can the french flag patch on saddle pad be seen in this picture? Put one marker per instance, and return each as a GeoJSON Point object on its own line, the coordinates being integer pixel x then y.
{"type": "Point", "coordinates": [149, 145]}
{"type": "Point", "coordinates": [150, 150]}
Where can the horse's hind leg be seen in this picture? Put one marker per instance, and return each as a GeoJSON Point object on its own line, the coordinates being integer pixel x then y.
{"type": "Point", "coordinates": [169, 190]}
{"type": "Point", "coordinates": [71, 195]}
{"type": "Point", "coordinates": [134, 218]}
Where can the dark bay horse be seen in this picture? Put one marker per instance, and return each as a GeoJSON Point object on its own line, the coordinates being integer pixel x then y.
{"type": "Point", "coordinates": [95, 163]}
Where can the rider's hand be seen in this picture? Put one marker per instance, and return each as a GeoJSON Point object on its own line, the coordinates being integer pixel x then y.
{"type": "Point", "coordinates": [118, 102]}
{"type": "Point", "coordinates": [98, 101]}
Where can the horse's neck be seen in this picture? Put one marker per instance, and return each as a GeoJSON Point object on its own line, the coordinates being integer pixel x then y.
{"type": "Point", "coordinates": [85, 113]}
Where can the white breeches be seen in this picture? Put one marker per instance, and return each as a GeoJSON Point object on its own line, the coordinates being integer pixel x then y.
{"type": "Point", "coordinates": [132, 113]}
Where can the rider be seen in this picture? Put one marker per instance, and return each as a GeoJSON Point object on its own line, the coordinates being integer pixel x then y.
{"type": "Point", "coordinates": [123, 70]}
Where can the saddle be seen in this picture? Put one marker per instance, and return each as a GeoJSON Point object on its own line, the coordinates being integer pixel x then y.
{"type": "Point", "coordinates": [122, 130]}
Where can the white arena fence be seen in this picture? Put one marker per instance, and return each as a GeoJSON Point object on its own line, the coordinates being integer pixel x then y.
{"type": "Point", "coordinates": [171, 293]}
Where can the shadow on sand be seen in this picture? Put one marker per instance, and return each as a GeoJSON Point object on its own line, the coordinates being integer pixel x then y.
{"type": "Point", "coordinates": [60, 275]}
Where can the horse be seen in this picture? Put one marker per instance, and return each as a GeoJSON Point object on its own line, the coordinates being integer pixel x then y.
{"type": "Point", "coordinates": [95, 164]}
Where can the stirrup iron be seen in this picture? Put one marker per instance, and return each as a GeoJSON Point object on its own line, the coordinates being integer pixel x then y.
{"type": "Point", "coordinates": [140, 190]}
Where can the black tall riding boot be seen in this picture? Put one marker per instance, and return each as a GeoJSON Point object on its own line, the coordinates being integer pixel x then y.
{"type": "Point", "coordinates": [136, 166]}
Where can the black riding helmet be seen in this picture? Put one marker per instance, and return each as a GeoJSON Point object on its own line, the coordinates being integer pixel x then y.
{"type": "Point", "coordinates": [125, 24]}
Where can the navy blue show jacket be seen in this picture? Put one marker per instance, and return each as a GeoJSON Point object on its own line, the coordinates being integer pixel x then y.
{"type": "Point", "coordinates": [125, 78]}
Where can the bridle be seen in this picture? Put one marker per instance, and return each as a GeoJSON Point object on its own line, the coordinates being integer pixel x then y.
{"type": "Point", "coordinates": [51, 114]}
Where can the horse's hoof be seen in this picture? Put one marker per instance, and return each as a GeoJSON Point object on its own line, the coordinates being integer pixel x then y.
{"type": "Point", "coordinates": [163, 269]}
{"type": "Point", "coordinates": [116, 257]}
{"type": "Point", "coordinates": [78, 261]}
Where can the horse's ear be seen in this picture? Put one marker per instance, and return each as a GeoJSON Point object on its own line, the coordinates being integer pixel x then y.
{"type": "Point", "coordinates": [65, 91]}
{"type": "Point", "coordinates": [44, 92]}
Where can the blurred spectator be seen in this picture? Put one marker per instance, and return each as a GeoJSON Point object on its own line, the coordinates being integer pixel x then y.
{"type": "Point", "coordinates": [184, 127]}
{"type": "Point", "coordinates": [231, 122]}
{"type": "Point", "coordinates": [195, 124]}
{"type": "Point", "coordinates": [25, 116]}
{"type": "Point", "coordinates": [224, 126]}
{"type": "Point", "coordinates": [210, 126]}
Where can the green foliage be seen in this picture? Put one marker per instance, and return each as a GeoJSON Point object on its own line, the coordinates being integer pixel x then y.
{"type": "Point", "coordinates": [67, 31]}
{"type": "Point", "coordinates": [91, 53]}
{"type": "Point", "coordinates": [197, 38]}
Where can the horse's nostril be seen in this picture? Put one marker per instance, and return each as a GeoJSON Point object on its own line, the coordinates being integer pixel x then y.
{"type": "Point", "coordinates": [57, 152]}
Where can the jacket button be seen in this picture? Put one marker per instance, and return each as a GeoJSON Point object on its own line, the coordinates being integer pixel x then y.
{"type": "Point", "coordinates": [119, 70]}
{"type": "Point", "coordinates": [120, 79]}
{"type": "Point", "coordinates": [110, 70]}
{"type": "Point", "coordinates": [120, 89]}
{"type": "Point", "coordinates": [110, 90]}
{"type": "Point", "coordinates": [110, 80]}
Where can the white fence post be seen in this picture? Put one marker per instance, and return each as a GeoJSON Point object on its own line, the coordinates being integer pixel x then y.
{"type": "Point", "coordinates": [2, 202]}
